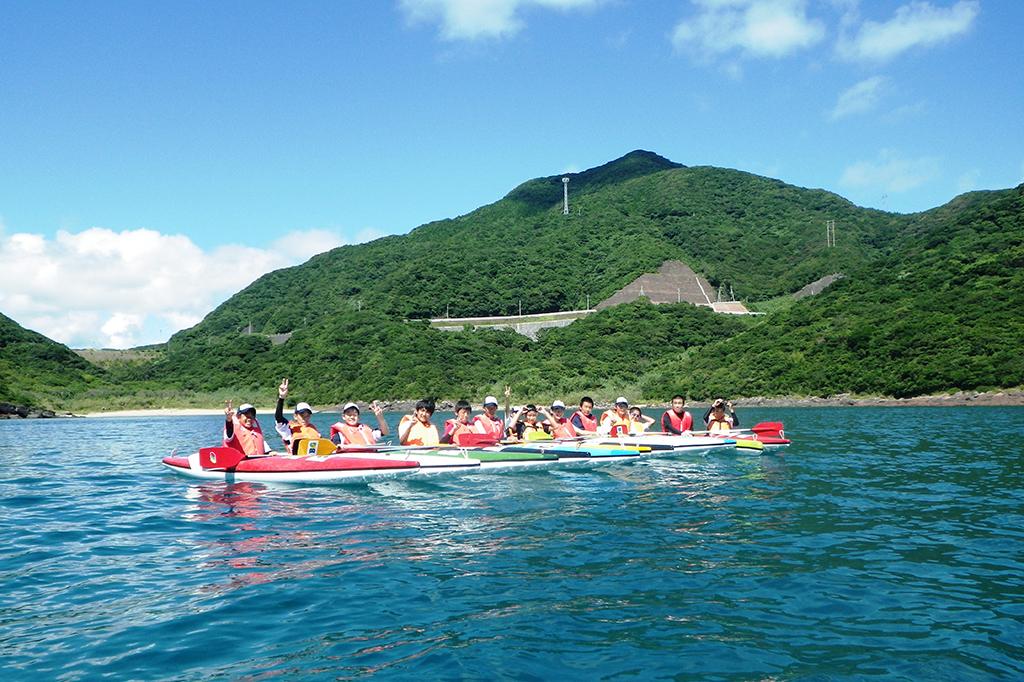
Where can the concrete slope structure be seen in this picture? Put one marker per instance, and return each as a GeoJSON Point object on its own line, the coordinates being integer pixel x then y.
{"type": "Point", "coordinates": [675, 282]}
{"type": "Point", "coordinates": [818, 285]}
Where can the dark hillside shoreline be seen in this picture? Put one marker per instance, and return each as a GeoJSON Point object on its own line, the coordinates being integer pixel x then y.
{"type": "Point", "coordinates": [1004, 398]}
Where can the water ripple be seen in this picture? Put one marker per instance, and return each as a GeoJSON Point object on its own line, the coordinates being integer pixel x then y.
{"type": "Point", "coordinates": [884, 543]}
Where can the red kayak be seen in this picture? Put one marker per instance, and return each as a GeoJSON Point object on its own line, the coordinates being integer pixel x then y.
{"type": "Point", "coordinates": [289, 469]}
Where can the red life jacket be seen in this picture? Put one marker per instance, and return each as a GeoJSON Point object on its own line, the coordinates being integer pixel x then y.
{"type": "Point", "coordinates": [562, 428]}
{"type": "Point", "coordinates": [488, 426]}
{"type": "Point", "coordinates": [360, 434]}
{"type": "Point", "coordinates": [589, 423]}
{"type": "Point", "coordinates": [248, 441]}
{"type": "Point", "coordinates": [680, 424]}
{"type": "Point", "coordinates": [453, 427]}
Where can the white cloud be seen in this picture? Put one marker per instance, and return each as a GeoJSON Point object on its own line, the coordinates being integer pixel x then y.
{"type": "Point", "coordinates": [478, 19]}
{"type": "Point", "coordinates": [103, 288]}
{"type": "Point", "coordinates": [121, 329]}
{"type": "Point", "coordinates": [917, 24]}
{"type": "Point", "coordinates": [890, 172]}
{"type": "Point", "coordinates": [859, 98]}
{"type": "Point", "coordinates": [757, 28]}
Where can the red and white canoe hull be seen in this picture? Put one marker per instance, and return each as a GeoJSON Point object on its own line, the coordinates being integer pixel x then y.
{"type": "Point", "coordinates": [288, 469]}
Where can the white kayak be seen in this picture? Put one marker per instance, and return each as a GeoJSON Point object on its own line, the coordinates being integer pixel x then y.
{"type": "Point", "coordinates": [660, 444]}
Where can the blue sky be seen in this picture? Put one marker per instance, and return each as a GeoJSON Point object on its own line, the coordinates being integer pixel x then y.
{"type": "Point", "coordinates": [162, 156]}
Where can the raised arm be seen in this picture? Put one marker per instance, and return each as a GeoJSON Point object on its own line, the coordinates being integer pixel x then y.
{"type": "Point", "coordinates": [378, 412]}
{"type": "Point", "coordinates": [229, 424]}
{"type": "Point", "coordinates": [282, 393]}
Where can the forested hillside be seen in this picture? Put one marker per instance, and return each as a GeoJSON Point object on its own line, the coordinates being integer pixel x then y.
{"type": "Point", "coordinates": [37, 371]}
{"type": "Point", "coordinates": [761, 236]}
{"type": "Point", "coordinates": [941, 312]}
{"type": "Point", "coordinates": [930, 302]}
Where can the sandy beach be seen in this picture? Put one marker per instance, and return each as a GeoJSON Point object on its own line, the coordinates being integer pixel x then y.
{"type": "Point", "coordinates": [169, 412]}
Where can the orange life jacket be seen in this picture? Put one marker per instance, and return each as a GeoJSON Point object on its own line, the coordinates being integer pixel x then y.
{"type": "Point", "coordinates": [360, 434]}
{"type": "Point", "coordinates": [419, 433]}
{"type": "Point", "coordinates": [300, 431]}
{"type": "Point", "coordinates": [723, 424]}
{"type": "Point", "coordinates": [249, 441]}
{"type": "Point", "coordinates": [589, 422]}
{"type": "Point", "coordinates": [617, 425]}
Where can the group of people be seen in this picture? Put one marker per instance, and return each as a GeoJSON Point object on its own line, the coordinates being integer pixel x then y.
{"type": "Point", "coordinates": [242, 430]}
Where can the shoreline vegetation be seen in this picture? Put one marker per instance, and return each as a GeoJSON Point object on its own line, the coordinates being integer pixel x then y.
{"type": "Point", "coordinates": [1004, 398]}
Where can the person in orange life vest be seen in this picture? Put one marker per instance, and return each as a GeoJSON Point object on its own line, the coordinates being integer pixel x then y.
{"type": "Point", "coordinates": [489, 423]}
{"type": "Point", "coordinates": [721, 416]}
{"type": "Point", "coordinates": [300, 427]}
{"type": "Point", "coordinates": [677, 419]}
{"type": "Point", "coordinates": [583, 420]}
{"type": "Point", "coordinates": [529, 423]}
{"type": "Point", "coordinates": [616, 420]}
{"type": "Point", "coordinates": [242, 432]}
{"type": "Point", "coordinates": [350, 431]}
{"type": "Point", "coordinates": [416, 429]}
{"type": "Point", "coordinates": [460, 424]}
{"type": "Point", "coordinates": [558, 424]}
{"type": "Point", "coordinates": [638, 422]}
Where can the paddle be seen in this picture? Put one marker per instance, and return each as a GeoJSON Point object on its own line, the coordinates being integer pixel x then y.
{"type": "Point", "coordinates": [220, 458]}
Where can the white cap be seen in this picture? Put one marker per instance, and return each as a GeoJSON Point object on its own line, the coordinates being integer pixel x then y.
{"type": "Point", "coordinates": [491, 400]}
{"type": "Point", "coordinates": [349, 406]}
{"type": "Point", "coordinates": [558, 403]}
{"type": "Point", "coordinates": [243, 407]}
{"type": "Point", "coordinates": [303, 406]}
{"type": "Point", "coordinates": [622, 400]}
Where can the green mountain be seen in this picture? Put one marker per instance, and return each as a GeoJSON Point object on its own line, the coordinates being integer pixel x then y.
{"type": "Point", "coordinates": [941, 310]}
{"type": "Point", "coordinates": [930, 301]}
{"type": "Point", "coordinates": [38, 372]}
{"type": "Point", "coordinates": [761, 236]}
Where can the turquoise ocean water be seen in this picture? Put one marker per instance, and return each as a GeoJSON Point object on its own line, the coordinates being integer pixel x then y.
{"type": "Point", "coordinates": [885, 543]}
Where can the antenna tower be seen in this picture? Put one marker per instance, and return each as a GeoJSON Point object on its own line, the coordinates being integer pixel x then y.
{"type": "Point", "coordinates": [565, 196]}
{"type": "Point", "coordinates": [830, 233]}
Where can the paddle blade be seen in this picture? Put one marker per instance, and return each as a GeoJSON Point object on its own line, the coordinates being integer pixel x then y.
{"type": "Point", "coordinates": [769, 429]}
{"type": "Point", "coordinates": [219, 458]}
{"type": "Point", "coordinates": [315, 447]}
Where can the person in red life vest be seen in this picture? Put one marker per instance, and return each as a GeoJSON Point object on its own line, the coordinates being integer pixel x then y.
{"type": "Point", "coordinates": [721, 416]}
{"type": "Point", "coordinates": [558, 425]}
{"type": "Point", "coordinates": [615, 421]}
{"type": "Point", "coordinates": [583, 419]}
{"type": "Point", "coordinates": [350, 431]}
{"type": "Point", "coordinates": [529, 426]}
{"type": "Point", "coordinates": [677, 419]}
{"type": "Point", "coordinates": [638, 421]}
{"type": "Point", "coordinates": [416, 429]}
{"type": "Point", "coordinates": [459, 424]}
{"type": "Point", "coordinates": [242, 432]}
{"type": "Point", "coordinates": [489, 423]}
{"type": "Point", "coordinates": [300, 427]}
